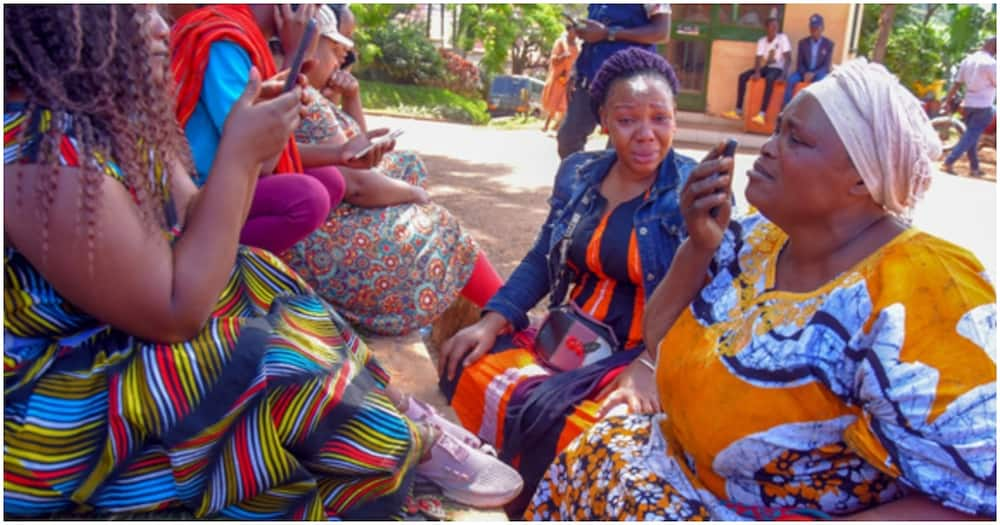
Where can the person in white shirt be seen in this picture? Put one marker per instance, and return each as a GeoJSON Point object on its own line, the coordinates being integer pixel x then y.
{"type": "Point", "coordinates": [978, 74]}
{"type": "Point", "coordinates": [774, 55]}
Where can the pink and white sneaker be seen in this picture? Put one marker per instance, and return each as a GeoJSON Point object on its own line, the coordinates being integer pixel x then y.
{"type": "Point", "coordinates": [423, 413]}
{"type": "Point", "coordinates": [469, 475]}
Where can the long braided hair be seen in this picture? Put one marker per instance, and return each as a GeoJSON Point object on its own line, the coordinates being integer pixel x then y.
{"type": "Point", "coordinates": [89, 65]}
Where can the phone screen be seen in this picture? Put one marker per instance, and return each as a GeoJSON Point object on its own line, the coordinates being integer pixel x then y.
{"type": "Point", "coordinates": [384, 138]}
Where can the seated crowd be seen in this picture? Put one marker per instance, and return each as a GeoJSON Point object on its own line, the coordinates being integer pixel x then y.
{"type": "Point", "coordinates": [191, 250]}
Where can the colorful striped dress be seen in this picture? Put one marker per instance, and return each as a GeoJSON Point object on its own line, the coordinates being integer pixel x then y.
{"type": "Point", "coordinates": [275, 410]}
{"type": "Point", "coordinates": [605, 256]}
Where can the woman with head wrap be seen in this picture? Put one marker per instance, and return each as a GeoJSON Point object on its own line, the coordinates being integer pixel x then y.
{"type": "Point", "coordinates": [819, 358]}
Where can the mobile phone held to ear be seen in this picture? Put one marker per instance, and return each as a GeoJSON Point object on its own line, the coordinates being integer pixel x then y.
{"type": "Point", "coordinates": [380, 140]}
{"type": "Point", "coordinates": [728, 151]}
{"type": "Point", "coordinates": [300, 55]}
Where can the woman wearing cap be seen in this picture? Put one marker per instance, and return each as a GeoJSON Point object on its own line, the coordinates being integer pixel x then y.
{"type": "Point", "coordinates": [821, 358]}
{"type": "Point", "coordinates": [389, 259]}
{"type": "Point", "coordinates": [213, 49]}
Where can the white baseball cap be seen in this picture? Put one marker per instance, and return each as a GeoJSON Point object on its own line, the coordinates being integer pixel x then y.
{"type": "Point", "coordinates": [326, 24]}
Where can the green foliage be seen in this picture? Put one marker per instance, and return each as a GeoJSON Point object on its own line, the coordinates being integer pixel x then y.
{"type": "Point", "coordinates": [522, 32]}
{"type": "Point", "coordinates": [542, 24]}
{"type": "Point", "coordinates": [423, 101]}
{"type": "Point", "coordinates": [405, 56]}
{"type": "Point", "coordinates": [369, 17]}
{"type": "Point", "coordinates": [928, 40]}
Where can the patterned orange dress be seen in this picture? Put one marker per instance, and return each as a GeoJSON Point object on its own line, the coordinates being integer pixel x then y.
{"type": "Point", "coordinates": [879, 384]}
{"type": "Point", "coordinates": [388, 270]}
{"type": "Point", "coordinates": [554, 94]}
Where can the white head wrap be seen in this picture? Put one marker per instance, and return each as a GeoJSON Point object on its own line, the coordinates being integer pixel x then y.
{"type": "Point", "coordinates": [884, 129]}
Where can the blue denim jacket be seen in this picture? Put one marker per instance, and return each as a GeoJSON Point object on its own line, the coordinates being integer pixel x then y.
{"type": "Point", "coordinates": [658, 223]}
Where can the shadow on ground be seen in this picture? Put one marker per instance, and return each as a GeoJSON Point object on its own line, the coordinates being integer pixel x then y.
{"type": "Point", "coordinates": [476, 194]}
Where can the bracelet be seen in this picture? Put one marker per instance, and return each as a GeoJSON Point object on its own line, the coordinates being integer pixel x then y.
{"type": "Point", "coordinates": [649, 364]}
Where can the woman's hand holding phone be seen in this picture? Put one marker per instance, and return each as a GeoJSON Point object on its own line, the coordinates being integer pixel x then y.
{"type": "Point", "coordinates": [291, 24]}
{"type": "Point", "coordinates": [257, 128]}
{"type": "Point", "coordinates": [275, 86]}
{"type": "Point", "coordinates": [708, 187]}
{"type": "Point", "coordinates": [366, 150]}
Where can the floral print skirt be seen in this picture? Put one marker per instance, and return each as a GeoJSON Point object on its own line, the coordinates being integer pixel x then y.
{"type": "Point", "coordinates": [388, 270]}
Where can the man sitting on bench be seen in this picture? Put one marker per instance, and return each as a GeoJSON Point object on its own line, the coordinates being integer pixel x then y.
{"type": "Point", "coordinates": [774, 54]}
{"type": "Point", "coordinates": [813, 60]}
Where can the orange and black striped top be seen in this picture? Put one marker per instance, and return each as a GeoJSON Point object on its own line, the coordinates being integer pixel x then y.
{"type": "Point", "coordinates": [604, 255]}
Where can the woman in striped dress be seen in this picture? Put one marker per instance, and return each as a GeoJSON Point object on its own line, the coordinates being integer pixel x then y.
{"type": "Point", "coordinates": [150, 362]}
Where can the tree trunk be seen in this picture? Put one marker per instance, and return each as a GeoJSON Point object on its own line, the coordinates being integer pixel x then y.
{"type": "Point", "coordinates": [931, 9]}
{"type": "Point", "coordinates": [430, 15]}
{"type": "Point", "coordinates": [454, 26]}
{"type": "Point", "coordinates": [885, 20]}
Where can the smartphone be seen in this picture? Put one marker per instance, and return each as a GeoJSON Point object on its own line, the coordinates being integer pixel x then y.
{"type": "Point", "coordinates": [380, 140]}
{"type": "Point", "coordinates": [571, 21]}
{"type": "Point", "coordinates": [728, 151]}
{"type": "Point", "coordinates": [300, 55]}
{"type": "Point", "coordinates": [349, 59]}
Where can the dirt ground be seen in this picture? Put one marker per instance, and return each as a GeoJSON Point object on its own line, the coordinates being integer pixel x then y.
{"type": "Point", "coordinates": [987, 164]}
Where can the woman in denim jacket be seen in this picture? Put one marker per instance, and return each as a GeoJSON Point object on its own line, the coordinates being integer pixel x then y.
{"type": "Point", "coordinates": [619, 210]}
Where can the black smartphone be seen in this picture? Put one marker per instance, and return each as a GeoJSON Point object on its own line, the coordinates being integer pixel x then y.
{"type": "Point", "coordinates": [728, 151]}
{"type": "Point", "coordinates": [300, 55]}
{"type": "Point", "coordinates": [349, 59]}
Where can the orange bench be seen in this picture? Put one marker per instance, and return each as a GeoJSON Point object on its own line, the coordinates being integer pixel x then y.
{"type": "Point", "coordinates": [751, 106]}
{"type": "Point", "coordinates": [755, 92]}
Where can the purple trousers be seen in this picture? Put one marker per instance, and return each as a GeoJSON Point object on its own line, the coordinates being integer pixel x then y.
{"type": "Point", "coordinates": [287, 207]}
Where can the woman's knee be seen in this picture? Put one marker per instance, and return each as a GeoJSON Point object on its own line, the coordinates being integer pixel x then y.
{"type": "Point", "coordinates": [333, 180]}
{"type": "Point", "coordinates": [306, 202]}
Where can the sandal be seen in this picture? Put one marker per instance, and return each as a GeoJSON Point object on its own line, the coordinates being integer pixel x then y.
{"type": "Point", "coordinates": [468, 475]}
{"type": "Point", "coordinates": [430, 506]}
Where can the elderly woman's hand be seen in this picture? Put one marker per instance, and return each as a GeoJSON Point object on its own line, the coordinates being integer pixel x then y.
{"type": "Point", "coordinates": [708, 186]}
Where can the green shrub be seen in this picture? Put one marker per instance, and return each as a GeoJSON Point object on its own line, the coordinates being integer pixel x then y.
{"type": "Point", "coordinates": [405, 56]}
